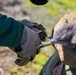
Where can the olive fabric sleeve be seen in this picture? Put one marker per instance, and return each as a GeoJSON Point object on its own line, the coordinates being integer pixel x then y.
{"type": "Point", "coordinates": [11, 31]}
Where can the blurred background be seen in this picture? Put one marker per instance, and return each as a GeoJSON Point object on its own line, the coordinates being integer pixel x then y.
{"type": "Point", "coordinates": [48, 15]}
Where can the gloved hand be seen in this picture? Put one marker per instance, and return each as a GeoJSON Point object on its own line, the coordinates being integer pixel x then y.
{"type": "Point", "coordinates": [29, 45]}
{"type": "Point", "coordinates": [36, 26]}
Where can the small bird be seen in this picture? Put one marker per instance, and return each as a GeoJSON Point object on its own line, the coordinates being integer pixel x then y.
{"type": "Point", "coordinates": [64, 39]}
{"type": "Point", "coordinates": [65, 35]}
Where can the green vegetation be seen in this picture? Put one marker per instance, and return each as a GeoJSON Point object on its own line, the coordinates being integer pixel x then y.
{"type": "Point", "coordinates": [30, 5]}
{"type": "Point", "coordinates": [53, 7]}
{"type": "Point", "coordinates": [40, 60]}
{"type": "Point", "coordinates": [70, 4]}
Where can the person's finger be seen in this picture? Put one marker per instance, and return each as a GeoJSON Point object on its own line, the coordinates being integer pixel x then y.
{"type": "Point", "coordinates": [42, 35]}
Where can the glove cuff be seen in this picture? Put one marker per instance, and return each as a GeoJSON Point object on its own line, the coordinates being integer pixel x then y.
{"type": "Point", "coordinates": [27, 23]}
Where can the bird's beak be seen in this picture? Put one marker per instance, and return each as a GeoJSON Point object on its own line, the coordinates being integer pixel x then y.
{"type": "Point", "coordinates": [53, 41]}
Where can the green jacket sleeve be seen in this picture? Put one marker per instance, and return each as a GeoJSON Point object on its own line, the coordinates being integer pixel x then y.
{"type": "Point", "coordinates": [11, 31]}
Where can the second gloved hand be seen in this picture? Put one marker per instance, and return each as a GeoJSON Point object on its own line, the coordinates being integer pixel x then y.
{"type": "Point", "coordinates": [29, 46]}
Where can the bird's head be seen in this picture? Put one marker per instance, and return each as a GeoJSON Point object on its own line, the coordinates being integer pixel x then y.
{"type": "Point", "coordinates": [65, 35]}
